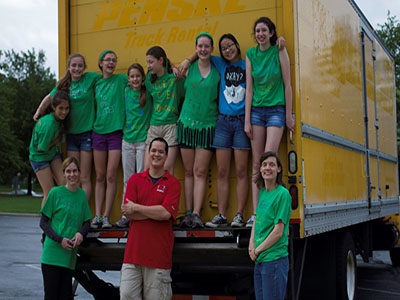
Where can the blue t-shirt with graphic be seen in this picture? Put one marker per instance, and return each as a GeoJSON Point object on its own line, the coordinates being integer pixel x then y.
{"type": "Point", "coordinates": [232, 90]}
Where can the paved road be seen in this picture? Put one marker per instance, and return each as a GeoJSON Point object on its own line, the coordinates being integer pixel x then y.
{"type": "Point", "coordinates": [21, 278]}
{"type": "Point", "coordinates": [20, 253]}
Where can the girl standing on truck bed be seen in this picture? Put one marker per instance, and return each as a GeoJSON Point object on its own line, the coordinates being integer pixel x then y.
{"type": "Point", "coordinates": [107, 135]}
{"type": "Point", "coordinates": [137, 118]}
{"type": "Point", "coordinates": [268, 96]}
{"type": "Point", "coordinates": [196, 126]}
{"type": "Point", "coordinates": [164, 91]}
{"type": "Point", "coordinates": [80, 120]}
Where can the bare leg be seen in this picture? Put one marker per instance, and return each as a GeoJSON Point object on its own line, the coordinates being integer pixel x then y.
{"type": "Point", "coordinates": [56, 169]}
{"type": "Point", "coordinates": [45, 178]}
{"type": "Point", "coordinates": [242, 180]}
{"type": "Point", "coordinates": [114, 157]}
{"type": "Point", "coordinates": [257, 146]}
{"type": "Point", "coordinates": [170, 162]}
{"type": "Point", "coordinates": [223, 165]}
{"type": "Point", "coordinates": [188, 162]}
{"type": "Point", "coordinates": [100, 165]}
{"type": "Point", "coordinates": [201, 164]}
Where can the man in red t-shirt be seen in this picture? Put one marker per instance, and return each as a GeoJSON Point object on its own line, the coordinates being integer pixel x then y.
{"type": "Point", "coordinates": [151, 203]}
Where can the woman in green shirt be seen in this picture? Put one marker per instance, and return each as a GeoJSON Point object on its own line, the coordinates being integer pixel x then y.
{"type": "Point", "coordinates": [268, 96]}
{"type": "Point", "coordinates": [65, 222]}
{"type": "Point", "coordinates": [268, 246]}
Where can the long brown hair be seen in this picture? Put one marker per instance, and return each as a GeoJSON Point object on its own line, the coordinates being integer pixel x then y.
{"type": "Point", "coordinates": [158, 52]}
{"type": "Point", "coordinates": [65, 82]}
{"type": "Point", "coordinates": [142, 98]}
{"type": "Point", "coordinates": [259, 180]}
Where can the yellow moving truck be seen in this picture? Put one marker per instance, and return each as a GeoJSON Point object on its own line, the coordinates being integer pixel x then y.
{"type": "Point", "coordinates": [340, 164]}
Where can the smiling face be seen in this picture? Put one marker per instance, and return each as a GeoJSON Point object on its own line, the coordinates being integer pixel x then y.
{"type": "Point", "coordinates": [229, 50]}
{"type": "Point", "coordinates": [76, 67]}
{"type": "Point", "coordinates": [158, 155]}
{"type": "Point", "coordinates": [135, 78]}
{"type": "Point", "coordinates": [108, 64]}
{"type": "Point", "coordinates": [72, 174]}
{"type": "Point", "coordinates": [269, 169]}
{"type": "Point", "coordinates": [61, 110]}
{"type": "Point", "coordinates": [263, 34]}
{"type": "Point", "coordinates": [204, 47]}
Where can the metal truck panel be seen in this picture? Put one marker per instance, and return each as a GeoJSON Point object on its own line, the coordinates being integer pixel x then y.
{"type": "Point", "coordinates": [344, 144]}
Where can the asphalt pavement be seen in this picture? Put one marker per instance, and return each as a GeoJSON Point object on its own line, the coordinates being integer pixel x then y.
{"type": "Point", "coordinates": [20, 254]}
{"type": "Point", "coordinates": [21, 277]}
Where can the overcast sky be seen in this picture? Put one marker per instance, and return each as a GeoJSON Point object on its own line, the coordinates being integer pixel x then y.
{"type": "Point", "coordinates": [28, 24]}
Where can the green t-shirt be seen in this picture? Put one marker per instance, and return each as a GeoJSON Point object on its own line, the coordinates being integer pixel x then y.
{"type": "Point", "coordinates": [165, 94]}
{"type": "Point", "coordinates": [272, 206]}
{"type": "Point", "coordinates": [137, 118]}
{"type": "Point", "coordinates": [200, 107]}
{"type": "Point", "coordinates": [110, 104]}
{"type": "Point", "coordinates": [268, 87]}
{"type": "Point", "coordinates": [67, 211]}
{"type": "Point", "coordinates": [81, 93]}
{"type": "Point", "coordinates": [46, 129]}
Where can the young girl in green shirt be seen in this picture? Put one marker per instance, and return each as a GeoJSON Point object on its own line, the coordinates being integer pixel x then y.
{"type": "Point", "coordinates": [44, 154]}
{"type": "Point", "coordinates": [137, 118]}
{"type": "Point", "coordinates": [165, 93]}
{"type": "Point", "coordinates": [268, 107]}
{"type": "Point", "coordinates": [107, 135]}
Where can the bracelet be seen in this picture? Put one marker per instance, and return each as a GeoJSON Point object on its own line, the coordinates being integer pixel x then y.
{"type": "Point", "coordinates": [188, 59]}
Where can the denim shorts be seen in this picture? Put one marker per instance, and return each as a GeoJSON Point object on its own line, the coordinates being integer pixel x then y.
{"type": "Point", "coordinates": [229, 133]}
{"type": "Point", "coordinates": [40, 165]}
{"type": "Point", "coordinates": [108, 141]}
{"type": "Point", "coordinates": [268, 116]}
{"type": "Point", "coordinates": [79, 142]}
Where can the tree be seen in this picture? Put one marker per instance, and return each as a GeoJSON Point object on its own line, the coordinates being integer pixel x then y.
{"type": "Point", "coordinates": [390, 35]}
{"type": "Point", "coordinates": [24, 81]}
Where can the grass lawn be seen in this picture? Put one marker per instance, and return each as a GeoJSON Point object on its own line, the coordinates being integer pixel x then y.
{"type": "Point", "coordinates": [19, 204]}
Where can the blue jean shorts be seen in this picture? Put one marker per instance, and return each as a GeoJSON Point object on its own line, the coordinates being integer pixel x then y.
{"type": "Point", "coordinates": [229, 133]}
{"type": "Point", "coordinates": [40, 165]}
{"type": "Point", "coordinates": [268, 116]}
{"type": "Point", "coordinates": [79, 142]}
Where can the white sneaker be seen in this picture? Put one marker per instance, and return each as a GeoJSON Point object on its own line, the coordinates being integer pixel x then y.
{"type": "Point", "coordinates": [106, 222]}
{"type": "Point", "coordinates": [250, 221]}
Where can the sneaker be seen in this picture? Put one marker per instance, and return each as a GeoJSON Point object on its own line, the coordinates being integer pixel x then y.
{"type": "Point", "coordinates": [237, 220]}
{"type": "Point", "coordinates": [218, 221]}
{"type": "Point", "coordinates": [96, 222]}
{"type": "Point", "coordinates": [123, 223]}
{"type": "Point", "coordinates": [250, 221]}
{"type": "Point", "coordinates": [196, 221]}
{"type": "Point", "coordinates": [106, 222]}
{"type": "Point", "coordinates": [186, 222]}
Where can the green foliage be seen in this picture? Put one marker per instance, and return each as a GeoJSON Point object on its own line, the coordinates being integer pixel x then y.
{"type": "Point", "coordinates": [24, 81]}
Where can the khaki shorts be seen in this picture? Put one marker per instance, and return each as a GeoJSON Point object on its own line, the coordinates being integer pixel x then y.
{"type": "Point", "coordinates": [167, 132]}
{"type": "Point", "coordinates": [138, 281]}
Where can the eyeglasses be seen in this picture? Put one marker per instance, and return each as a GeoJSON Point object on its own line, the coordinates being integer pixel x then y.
{"type": "Point", "coordinates": [114, 60]}
{"type": "Point", "coordinates": [229, 47]}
